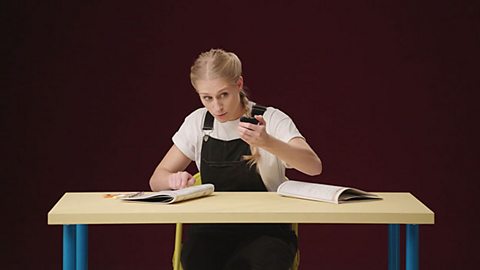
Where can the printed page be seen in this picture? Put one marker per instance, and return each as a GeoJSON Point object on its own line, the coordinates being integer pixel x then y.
{"type": "Point", "coordinates": [193, 192]}
{"type": "Point", "coordinates": [311, 191]}
{"type": "Point", "coordinates": [171, 196]}
{"type": "Point", "coordinates": [356, 194]}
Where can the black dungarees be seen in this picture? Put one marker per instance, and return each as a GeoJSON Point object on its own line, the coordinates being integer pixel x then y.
{"type": "Point", "coordinates": [235, 246]}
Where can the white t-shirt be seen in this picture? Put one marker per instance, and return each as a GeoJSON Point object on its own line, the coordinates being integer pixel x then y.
{"type": "Point", "coordinates": [189, 140]}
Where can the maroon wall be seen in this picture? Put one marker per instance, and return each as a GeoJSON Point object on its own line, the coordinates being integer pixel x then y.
{"type": "Point", "coordinates": [384, 92]}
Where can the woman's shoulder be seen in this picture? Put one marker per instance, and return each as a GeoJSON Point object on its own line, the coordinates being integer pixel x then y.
{"type": "Point", "coordinates": [196, 115]}
{"type": "Point", "coordinates": [269, 110]}
{"type": "Point", "coordinates": [275, 114]}
{"type": "Point", "coordinates": [194, 120]}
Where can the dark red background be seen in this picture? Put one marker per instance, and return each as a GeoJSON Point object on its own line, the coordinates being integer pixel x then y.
{"type": "Point", "coordinates": [385, 92]}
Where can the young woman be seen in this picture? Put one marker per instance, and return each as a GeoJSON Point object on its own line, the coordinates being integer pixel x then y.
{"type": "Point", "coordinates": [234, 156]}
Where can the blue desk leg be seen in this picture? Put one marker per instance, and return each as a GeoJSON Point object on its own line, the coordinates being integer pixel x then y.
{"type": "Point", "coordinates": [69, 247]}
{"type": "Point", "coordinates": [412, 247]}
{"type": "Point", "coordinates": [393, 247]}
{"type": "Point", "coordinates": [82, 247]}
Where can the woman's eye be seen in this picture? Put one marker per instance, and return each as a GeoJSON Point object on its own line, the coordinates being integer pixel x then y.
{"type": "Point", "coordinates": [207, 98]}
{"type": "Point", "coordinates": [224, 95]}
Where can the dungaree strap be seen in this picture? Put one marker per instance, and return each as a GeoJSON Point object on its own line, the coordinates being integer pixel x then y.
{"type": "Point", "coordinates": [208, 121]}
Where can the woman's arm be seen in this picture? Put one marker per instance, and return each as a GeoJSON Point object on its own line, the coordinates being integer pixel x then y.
{"type": "Point", "coordinates": [170, 173]}
{"type": "Point", "coordinates": [296, 153]}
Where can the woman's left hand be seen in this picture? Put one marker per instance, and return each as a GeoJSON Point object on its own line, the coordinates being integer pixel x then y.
{"type": "Point", "coordinates": [254, 134]}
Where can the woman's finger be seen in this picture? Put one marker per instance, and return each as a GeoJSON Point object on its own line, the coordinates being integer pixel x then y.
{"type": "Point", "coordinates": [261, 120]}
{"type": "Point", "coordinates": [184, 178]}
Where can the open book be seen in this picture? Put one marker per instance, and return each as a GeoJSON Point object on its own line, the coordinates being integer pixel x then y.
{"type": "Point", "coordinates": [322, 192]}
{"type": "Point", "coordinates": [171, 196]}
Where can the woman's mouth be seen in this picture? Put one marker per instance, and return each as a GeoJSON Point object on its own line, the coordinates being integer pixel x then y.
{"type": "Point", "coordinates": [221, 115]}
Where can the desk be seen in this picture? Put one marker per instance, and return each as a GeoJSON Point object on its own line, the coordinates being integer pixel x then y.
{"type": "Point", "coordinates": [75, 211]}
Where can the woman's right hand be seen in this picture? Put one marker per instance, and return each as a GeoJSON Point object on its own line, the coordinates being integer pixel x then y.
{"type": "Point", "coordinates": [180, 180]}
{"type": "Point", "coordinates": [170, 173]}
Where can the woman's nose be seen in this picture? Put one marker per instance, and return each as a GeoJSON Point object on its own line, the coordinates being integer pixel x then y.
{"type": "Point", "coordinates": [217, 105]}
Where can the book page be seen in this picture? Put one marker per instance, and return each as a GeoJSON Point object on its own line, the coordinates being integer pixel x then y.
{"type": "Point", "coordinates": [356, 194]}
{"type": "Point", "coordinates": [193, 192]}
{"type": "Point", "coordinates": [171, 196]}
{"type": "Point", "coordinates": [311, 191]}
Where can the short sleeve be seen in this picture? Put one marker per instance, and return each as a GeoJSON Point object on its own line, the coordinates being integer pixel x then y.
{"type": "Point", "coordinates": [187, 135]}
{"type": "Point", "coordinates": [283, 127]}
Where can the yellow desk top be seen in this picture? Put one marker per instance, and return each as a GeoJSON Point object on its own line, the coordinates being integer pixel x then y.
{"type": "Point", "coordinates": [239, 207]}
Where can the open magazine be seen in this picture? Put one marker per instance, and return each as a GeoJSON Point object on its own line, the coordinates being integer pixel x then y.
{"type": "Point", "coordinates": [171, 196]}
{"type": "Point", "coordinates": [322, 192]}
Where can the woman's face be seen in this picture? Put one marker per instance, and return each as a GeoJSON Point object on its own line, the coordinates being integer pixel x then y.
{"type": "Point", "coordinates": [221, 98]}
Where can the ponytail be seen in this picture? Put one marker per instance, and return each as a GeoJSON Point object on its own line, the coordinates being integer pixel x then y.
{"type": "Point", "coordinates": [253, 158]}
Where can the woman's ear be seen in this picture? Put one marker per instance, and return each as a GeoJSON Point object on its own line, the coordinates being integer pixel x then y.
{"type": "Point", "coordinates": [240, 82]}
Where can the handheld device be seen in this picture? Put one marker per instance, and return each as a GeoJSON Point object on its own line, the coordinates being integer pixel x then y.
{"type": "Point", "coordinates": [251, 120]}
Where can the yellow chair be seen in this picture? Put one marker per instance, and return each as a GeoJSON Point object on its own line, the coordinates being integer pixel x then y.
{"type": "Point", "coordinates": [177, 265]}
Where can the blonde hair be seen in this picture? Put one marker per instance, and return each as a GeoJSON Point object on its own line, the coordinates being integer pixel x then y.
{"type": "Point", "coordinates": [216, 64]}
